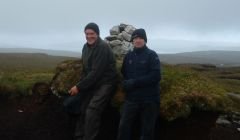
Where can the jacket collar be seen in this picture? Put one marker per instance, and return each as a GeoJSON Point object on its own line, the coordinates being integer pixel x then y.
{"type": "Point", "coordinates": [140, 50]}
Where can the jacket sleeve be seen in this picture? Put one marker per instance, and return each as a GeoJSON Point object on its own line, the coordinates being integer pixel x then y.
{"type": "Point", "coordinates": [83, 73]}
{"type": "Point", "coordinates": [99, 65]}
{"type": "Point", "coordinates": [124, 66]}
{"type": "Point", "coordinates": [154, 75]}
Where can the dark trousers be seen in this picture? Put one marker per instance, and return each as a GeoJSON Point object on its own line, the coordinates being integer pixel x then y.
{"type": "Point", "coordinates": [93, 104]}
{"type": "Point", "coordinates": [148, 112]}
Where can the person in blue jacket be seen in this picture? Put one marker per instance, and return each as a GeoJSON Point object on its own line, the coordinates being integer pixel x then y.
{"type": "Point", "coordinates": [141, 73]}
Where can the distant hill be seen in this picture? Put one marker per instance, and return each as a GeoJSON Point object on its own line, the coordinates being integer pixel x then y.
{"type": "Point", "coordinates": [43, 51]}
{"type": "Point", "coordinates": [29, 61]}
{"type": "Point", "coordinates": [218, 58]}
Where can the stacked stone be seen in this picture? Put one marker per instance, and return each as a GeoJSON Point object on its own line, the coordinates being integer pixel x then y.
{"type": "Point", "coordinates": [120, 39]}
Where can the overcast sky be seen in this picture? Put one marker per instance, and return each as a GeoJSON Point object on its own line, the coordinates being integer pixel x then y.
{"type": "Point", "coordinates": [171, 25]}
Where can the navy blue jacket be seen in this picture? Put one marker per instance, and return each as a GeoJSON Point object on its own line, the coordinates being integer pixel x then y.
{"type": "Point", "coordinates": [143, 67]}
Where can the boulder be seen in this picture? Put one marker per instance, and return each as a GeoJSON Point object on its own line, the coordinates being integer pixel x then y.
{"type": "Point", "coordinates": [115, 30]}
{"type": "Point", "coordinates": [115, 43]}
{"type": "Point", "coordinates": [111, 37]}
{"type": "Point", "coordinates": [129, 29]}
{"type": "Point", "coordinates": [126, 47]}
{"type": "Point", "coordinates": [122, 27]}
{"type": "Point", "coordinates": [120, 37]}
{"type": "Point", "coordinates": [126, 36]}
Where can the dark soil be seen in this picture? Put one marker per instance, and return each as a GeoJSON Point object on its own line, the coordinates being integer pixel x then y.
{"type": "Point", "coordinates": [42, 118]}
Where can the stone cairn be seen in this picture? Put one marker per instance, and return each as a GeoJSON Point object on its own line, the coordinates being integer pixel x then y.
{"type": "Point", "coordinates": [120, 39]}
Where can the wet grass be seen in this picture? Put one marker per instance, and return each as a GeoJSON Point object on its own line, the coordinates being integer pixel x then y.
{"type": "Point", "coordinates": [18, 72]}
{"type": "Point", "coordinates": [183, 88]}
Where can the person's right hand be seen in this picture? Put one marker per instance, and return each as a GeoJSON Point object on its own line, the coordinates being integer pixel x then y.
{"type": "Point", "coordinates": [73, 91]}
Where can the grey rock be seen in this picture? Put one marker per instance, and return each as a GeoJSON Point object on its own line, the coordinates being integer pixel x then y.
{"type": "Point", "coordinates": [127, 44]}
{"type": "Point", "coordinates": [126, 47]}
{"type": "Point", "coordinates": [120, 37]}
{"type": "Point", "coordinates": [115, 43]}
{"type": "Point", "coordinates": [111, 37]}
{"type": "Point", "coordinates": [115, 30]}
{"type": "Point", "coordinates": [235, 117]}
{"type": "Point", "coordinates": [122, 26]}
{"type": "Point", "coordinates": [224, 122]}
{"type": "Point", "coordinates": [129, 29]}
{"type": "Point", "coordinates": [230, 120]}
{"type": "Point", "coordinates": [126, 36]}
{"type": "Point", "coordinates": [234, 96]}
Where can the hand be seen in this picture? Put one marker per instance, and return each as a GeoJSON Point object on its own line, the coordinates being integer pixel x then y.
{"type": "Point", "coordinates": [73, 91]}
{"type": "Point", "coordinates": [128, 84]}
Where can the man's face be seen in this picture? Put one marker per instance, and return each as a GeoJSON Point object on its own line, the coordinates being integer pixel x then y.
{"type": "Point", "coordinates": [138, 42]}
{"type": "Point", "coordinates": [91, 36]}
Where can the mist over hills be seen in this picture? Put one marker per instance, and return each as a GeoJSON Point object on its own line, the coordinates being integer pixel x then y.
{"type": "Point", "coordinates": [43, 51]}
{"type": "Point", "coordinates": [215, 57]}
{"type": "Point", "coordinates": [218, 58]}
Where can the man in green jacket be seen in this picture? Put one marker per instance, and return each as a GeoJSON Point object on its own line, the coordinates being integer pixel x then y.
{"type": "Point", "coordinates": [97, 83]}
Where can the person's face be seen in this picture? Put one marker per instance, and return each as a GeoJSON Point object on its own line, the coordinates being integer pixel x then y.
{"type": "Point", "coordinates": [138, 42]}
{"type": "Point", "coordinates": [91, 36]}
